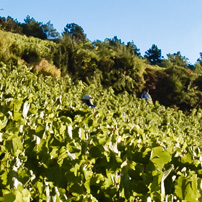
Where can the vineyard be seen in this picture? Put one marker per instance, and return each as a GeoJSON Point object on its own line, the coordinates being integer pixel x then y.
{"type": "Point", "coordinates": [54, 148]}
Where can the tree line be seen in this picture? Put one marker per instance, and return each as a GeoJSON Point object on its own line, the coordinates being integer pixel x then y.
{"type": "Point", "coordinates": [31, 27]}
{"type": "Point", "coordinates": [110, 63]}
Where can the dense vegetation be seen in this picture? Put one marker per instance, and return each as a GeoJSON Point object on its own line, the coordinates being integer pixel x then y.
{"type": "Point", "coordinates": [173, 81]}
{"type": "Point", "coordinates": [53, 147]}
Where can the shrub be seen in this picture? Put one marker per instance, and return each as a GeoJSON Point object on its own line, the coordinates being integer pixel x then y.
{"type": "Point", "coordinates": [47, 69]}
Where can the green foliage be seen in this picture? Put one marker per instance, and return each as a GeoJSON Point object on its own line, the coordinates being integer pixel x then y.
{"type": "Point", "coordinates": [25, 49]}
{"type": "Point", "coordinates": [50, 31]}
{"type": "Point", "coordinates": [33, 28]}
{"type": "Point", "coordinates": [198, 68]}
{"type": "Point", "coordinates": [174, 86]}
{"type": "Point", "coordinates": [120, 69]}
{"type": "Point", "coordinates": [10, 25]}
{"type": "Point", "coordinates": [30, 27]}
{"type": "Point", "coordinates": [180, 82]}
{"type": "Point", "coordinates": [133, 49]}
{"type": "Point", "coordinates": [177, 59]}
{"type": "Point", "coordinates": [186, 187]}
{"type": "Point", "coordinates": [53, 147]}
{"type": "Point", "coordinates": [63, 57]}
{"type": "Point", "coordinates": [75, 31]}
{"type": "Point", "coordinates": [108, 64]}
{"type": "Point", "coordinates": [153, 55]}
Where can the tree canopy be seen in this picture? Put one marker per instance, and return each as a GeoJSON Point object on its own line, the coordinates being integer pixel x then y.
{"type": "Point", "coordinates": [108, 63]}
{"type": "Point", "coordinates": [178, 59]}
{"type": "Point", "coordinates": [153, 55]}
{"type": "Point", "coordinates": [75, 31]}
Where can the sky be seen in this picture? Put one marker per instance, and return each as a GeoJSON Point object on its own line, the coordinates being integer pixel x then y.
{"type": "Point", "coordinates": [172, 25]}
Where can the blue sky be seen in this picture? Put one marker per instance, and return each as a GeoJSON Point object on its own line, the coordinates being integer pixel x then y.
{"type": "Point", "coordinates": [172, 25]}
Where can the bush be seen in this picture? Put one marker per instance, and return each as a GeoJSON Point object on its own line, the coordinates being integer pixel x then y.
{"type": "Point", "coordinates": [48, 69]}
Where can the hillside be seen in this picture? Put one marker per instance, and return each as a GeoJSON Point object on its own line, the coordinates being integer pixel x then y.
{"type": "Point", "coordinates": [108, 64]}
{"type": "Point", "coordinates": [53, 147]}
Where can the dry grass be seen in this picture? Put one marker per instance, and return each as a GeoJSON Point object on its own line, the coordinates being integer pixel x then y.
{"type": "Point", "coordinates": [48, 69]}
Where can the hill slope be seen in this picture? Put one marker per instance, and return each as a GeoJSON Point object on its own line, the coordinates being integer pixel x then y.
{"type": "Point", "coordinates": [53, 147]}
{"type": "Point", "coordinates": [105, 64]}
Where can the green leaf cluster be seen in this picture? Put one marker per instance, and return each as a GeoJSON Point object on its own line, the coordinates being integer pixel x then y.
{"type": "Point", "coordinates": [53, 147]}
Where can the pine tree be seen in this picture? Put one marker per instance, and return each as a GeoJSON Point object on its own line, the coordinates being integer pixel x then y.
{"type": "Point", "coordinates": [153, 55]}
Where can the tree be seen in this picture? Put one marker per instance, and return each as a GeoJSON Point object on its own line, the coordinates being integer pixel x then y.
{"type": "Point", "coordinates": [198, 66]}
{"type": "Point", "coordinates": [200, 59]}
{"type": "Point", "coordinates": [64, 58]}
{"type": "Point", "coordinates": [75, 31]}
{"type": "Point", "coordinates": [133, 49]}
{"type": "Point", "coordinates": [10, 25]}
{"type": "Point", "coordinates": [153, 55]}
{"type": "Point", "coordinates": [114, 41]}
{"type": "Point", "coordinates": [178, 59]}
{"type": "Point", "coordinates": [50, 31]}
{"type": "Point", "coordinates": [33, 28]}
